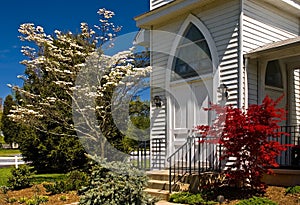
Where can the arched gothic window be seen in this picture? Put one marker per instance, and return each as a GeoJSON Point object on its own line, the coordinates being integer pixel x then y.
{"type": "Point", "coordinates": [273, 74]}
{"type": "Point", "coordinates": [192, 57]}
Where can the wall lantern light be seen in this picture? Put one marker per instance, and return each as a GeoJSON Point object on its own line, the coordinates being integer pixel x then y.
{"type": "Point", "coordinates": [157, 101]}
{"type": "Point", "coordinates": [224, 91]}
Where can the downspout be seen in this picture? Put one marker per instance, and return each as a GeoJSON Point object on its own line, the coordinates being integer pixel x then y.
{"type": "Point", "coordinates": [151, 93]}
{"type": "Point", "coordinates": [257, 77]}
{"type": "Point", "coordinates": [241, 86]}
{"type": "Point", "coordinates": [246, 83]}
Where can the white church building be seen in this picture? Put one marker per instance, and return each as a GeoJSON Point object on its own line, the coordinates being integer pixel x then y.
{"type": "Point", "coordinates": [250, 47]}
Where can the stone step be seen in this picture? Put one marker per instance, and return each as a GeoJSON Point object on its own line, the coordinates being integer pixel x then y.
{"type": "Point", "coordinates": [162, 175]}
{"type": "Point", "coordinates": [162, 202]}
{"type": "Point", "coordinates": [160, 194]}
{"type": "Point", "coordinates": [164, 185]}
{"type": "Point", "coordinates": [158, 184]}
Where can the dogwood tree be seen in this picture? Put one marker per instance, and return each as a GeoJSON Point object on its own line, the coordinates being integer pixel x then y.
{"type": "Point", "coordinates": [71, 88]}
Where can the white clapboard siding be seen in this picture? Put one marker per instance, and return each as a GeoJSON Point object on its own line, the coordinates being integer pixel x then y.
{"type": "Point", "coordinates": [264, 24]}
{"type": "Point", "coordinates": [261, 25]}
{"type": "Point", "coordinates": [158, 3]}
{"type": "Point", "coordinates": [276, 18]}
{"type": "Point", "coordinates": [222, 22]}
{"type": "Point", "coordinates": [252, 82]}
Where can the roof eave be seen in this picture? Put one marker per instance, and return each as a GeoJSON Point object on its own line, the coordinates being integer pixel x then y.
{"type": "Point", "coordinates": [282, 51]}
{"type": "Point", "coordinates": [290, 5]}
{"type": "Point", "coordinates": [169, 10]}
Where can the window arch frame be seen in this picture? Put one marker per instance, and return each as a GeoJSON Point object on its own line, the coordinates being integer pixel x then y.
{"type": "Point", "coordinates": [211, 45]}
{"type": "Point", "coordinates": [188, 64]}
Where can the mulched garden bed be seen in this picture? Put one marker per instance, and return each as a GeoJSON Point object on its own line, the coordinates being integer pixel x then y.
{"type": "Point", "coordinates": [275, 193]}
{"type": "Point", "coordinates": [58, 199]}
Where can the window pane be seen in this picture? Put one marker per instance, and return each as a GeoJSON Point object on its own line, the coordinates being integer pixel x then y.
{"type": "Point", "coordinates": [273, 74]}
{"type": "Point", "coordinates": [192, 34]}
{"type": "Point", "coordinates": [192, 58]}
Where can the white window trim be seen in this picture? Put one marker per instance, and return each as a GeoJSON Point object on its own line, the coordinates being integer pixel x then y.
{"type": "Point", "coordinates": [212, 47]}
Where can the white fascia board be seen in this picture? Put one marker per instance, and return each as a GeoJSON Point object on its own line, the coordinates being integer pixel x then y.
{"type": "Point", "coordinates": [167, 11]}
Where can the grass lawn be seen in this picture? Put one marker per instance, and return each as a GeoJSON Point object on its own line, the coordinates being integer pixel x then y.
{"type": "Point", "coordinates": [4, 174]}
{"type": "Point", "coordinates": [37, 188]}
{"type": "Point", "coordinates": [143, 164]}
{"type": "Point", "coordinates": [9, 152]}
{"type": "Point", "coordinates": [40, 178]}
{"type": "Point", "coordinates": [36, 178]}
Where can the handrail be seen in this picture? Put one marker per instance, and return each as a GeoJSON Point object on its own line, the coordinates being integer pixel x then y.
{"type": "Point", "coordinates": [196, 155]}
{"type": "Point", "coordinates": [201, 154]}
{"type": "Point", "coordinates": [290, 158]}
{"type": "Point", "coordinates": [169, 160]}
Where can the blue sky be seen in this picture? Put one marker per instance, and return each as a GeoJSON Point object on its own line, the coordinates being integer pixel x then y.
{"type": "Point", "coordinates": [64, 15]}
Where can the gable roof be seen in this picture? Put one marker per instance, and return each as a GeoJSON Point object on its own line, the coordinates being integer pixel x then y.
{"type": "Point", "coordinates": [168, 11]}
{"type": "Point", "coordinates": [289, 46]}
{"type": "Point", "coordinates": [177, 7]}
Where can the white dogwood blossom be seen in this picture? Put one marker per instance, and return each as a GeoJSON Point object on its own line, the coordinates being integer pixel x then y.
{"type": "Point", "coordinates": [65, 68]}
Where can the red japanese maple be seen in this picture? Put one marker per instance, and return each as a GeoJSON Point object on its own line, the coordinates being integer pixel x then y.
{"type": "Point", "coordinates": [250, 137]}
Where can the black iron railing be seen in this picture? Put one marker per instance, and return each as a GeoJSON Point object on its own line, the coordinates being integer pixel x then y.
{"type": "Point", "coordinates": [195, 156]}
{"type": "Point", "coordinates": [140, 157]}
{"type": "Point", "coordinates": [198, 155]}
{"type": "Point", "coordinates": [291, 157]}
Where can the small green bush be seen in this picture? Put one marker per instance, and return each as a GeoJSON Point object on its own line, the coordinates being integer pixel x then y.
{"type": "Point", "coordinates": [12, 200]}
{"type": "Point", "coordinates": [4, 189]}
{"type": "Point", "coordinates": [257, 201]}
{"type": "Point", "coordinates": [42, 199]}
{"type": "Point", "coordinates": [179, 197]}
{"type": "Point", "coordinates": [189, 198]}
{"type": "Point", "coordinates": [63, 198]}
{"type": "Point", "coordinates": [36, 200]}
{"type": "Point", "coordinates": [20, 178]}
{"type": "Point", "coordinates": [115, 183]}
{"type": "Point", "coordinates": [1, 140]}
{"type": "Point", "coordinates": [56, 188]}
{"type": "Point", "coordinates": [75, 181]}
{"type": "Point", "coordinates": [292, 190]}
{"type": "Point", "coordinates": [31, 202]}
{"type": "Point", "coordinates": [22, 200]}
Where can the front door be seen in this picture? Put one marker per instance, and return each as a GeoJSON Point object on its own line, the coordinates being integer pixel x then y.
{"type": "Point", "coordinates": [186, 110]}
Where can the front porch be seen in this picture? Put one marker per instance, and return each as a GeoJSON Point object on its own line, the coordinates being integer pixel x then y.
{"type": "Point", "coordinates": [200, 157]}
{"type": "Point", "coordinates": [197, 158]}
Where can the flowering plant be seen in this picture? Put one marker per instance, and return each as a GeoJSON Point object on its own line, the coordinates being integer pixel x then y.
{"type": "Point", "coordinates": [71, 90]}
{"type": "Point", "coordinates": [250, 137]}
